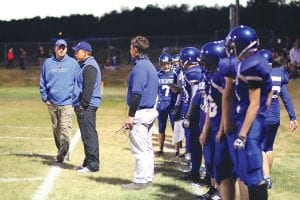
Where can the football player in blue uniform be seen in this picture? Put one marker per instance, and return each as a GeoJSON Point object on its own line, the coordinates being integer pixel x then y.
{"type": "Point", "coordinates": [227, 67]}
{"type": "Point", "coordinates": [215, 150]}
{"type": "Point", "coordinates": [189, 60]}
{"type": "Point", "coordinates": [279, 79]}
{"type": "Point", "coordinates": [253, 88]}
{"type": "Point", "coordinates": [178, 132]}
{"type": "Point", "coordinates": [166, 97]}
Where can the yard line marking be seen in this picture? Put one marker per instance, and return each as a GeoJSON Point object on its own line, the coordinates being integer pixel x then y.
{"type": "Point", "coordinates": [46, 186]}
{"type": "Point", "coordinates": [44, 127]}
{"type": "Point", "coordinates": [26, 153]}
{"type": "Point", "coordinates": [21, 179]}
{"type": "Point", "coordinates": [25, 138]}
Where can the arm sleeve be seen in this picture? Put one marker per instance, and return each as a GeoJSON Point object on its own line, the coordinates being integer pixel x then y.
{"type": "Point", "coordinates": [192, 105]}
{"type": "Point", "coordinates": [134, 104]}
{"type": "Point", "coordinates": [89, 79]}
{"type": "Point", "coordinates": [287, 101]}
{"type": "Point", "coordinates": [43, 89]}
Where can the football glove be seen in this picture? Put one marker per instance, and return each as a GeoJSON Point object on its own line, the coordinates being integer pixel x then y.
{"type": "Point", "coordinates": [240, 142]}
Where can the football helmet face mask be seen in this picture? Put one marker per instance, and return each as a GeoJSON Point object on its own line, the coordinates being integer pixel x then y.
{"type": "Point", "coordinates": [266, 54]}
{"type": "Point", "coordinates": [211, 53]}
{"type": "Point", "coordinates": [240, 40]}
{"type": "Point", "coordinates": [164, 61]}
{"type": "Point", "coordinates": [175, 61]}
{"type": "Point", "coordinates": [189, 56]}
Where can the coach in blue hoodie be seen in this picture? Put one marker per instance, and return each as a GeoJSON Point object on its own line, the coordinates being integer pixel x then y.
{"type": "Point", "coordinates": [87, 100]}
{"type": "Point", "coordinates": [57, 82]}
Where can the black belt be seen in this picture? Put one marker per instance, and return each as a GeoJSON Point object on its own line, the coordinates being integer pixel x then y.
{"type": "Point", "coordinates": [145, 107]}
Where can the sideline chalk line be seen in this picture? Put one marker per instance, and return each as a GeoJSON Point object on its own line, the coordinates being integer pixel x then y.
{"type": "Point", "coordinates": [44, 189]}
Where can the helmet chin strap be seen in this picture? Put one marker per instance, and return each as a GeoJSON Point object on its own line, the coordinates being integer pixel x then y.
{"type": "Point", "coordinates": [248, 48]}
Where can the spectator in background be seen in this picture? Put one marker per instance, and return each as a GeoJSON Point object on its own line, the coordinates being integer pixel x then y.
{"type": "Point", "coordinates": [42, 55]}
{"type": "Point", "coordinates": [295, 57]}
{"type": "Point", "coordinates": [10, 58]}
{"type": "Point", "coordinates": [23, 59]}
{"type": "Point", "coordinates": [115, 57]}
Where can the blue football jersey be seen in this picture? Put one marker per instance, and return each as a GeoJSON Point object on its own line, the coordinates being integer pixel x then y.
{"type": "Point", "coordinates": [253, 72]}
{"type": "Point", "coordinates": [165, 94]}
{"type": "Point", "coordinates": [227, 68]}
{"type": "Point", "coordinates": [192, 76]}
{"type": "Point", "coordinates": [214, 97]}
{"type": "Point", "coordinates": [279, 80]}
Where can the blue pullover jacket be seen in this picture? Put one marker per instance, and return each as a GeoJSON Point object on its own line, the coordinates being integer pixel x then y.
{"type": "Point", "coordinates": [57, 80]}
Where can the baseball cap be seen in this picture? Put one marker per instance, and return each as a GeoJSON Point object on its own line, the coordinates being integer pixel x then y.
{"type": "Point", "coordinates": [82, 45]}
{"type": "Point", "coordinates": [60, 42]}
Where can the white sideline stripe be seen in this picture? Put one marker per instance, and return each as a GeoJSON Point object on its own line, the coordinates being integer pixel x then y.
{"type": "Point", "coordinates": [45, 188]}
{"type": "Point", "coordinates": [44, 127]}
{"type": "Point", "coordinates": [24, 138]}
{"type": "Point", "coordinates": [26, 153]}
{"type": "Point", "coordinates": [21, 179]}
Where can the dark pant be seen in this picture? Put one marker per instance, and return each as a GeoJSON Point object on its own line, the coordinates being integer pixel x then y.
{"type": "Point", "coordinates": [87, 124]}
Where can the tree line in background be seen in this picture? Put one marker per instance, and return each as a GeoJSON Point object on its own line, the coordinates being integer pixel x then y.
{"type": "Point", "coordinates": [281, 17]}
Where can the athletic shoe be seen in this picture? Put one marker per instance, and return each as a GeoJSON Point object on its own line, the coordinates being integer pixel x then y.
{"type": "Point", "coordinates": [198, 189]}
{"type": "Point", "coordinates": [159, 153]}
{"type": "Point", "coordinates": [135, 186]}
{"type": "Point", "coordinates": [212, 193]}
{"type": "Point", "coordinates": [85, 170]}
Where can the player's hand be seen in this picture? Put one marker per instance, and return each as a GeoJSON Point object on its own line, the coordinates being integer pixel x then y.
{"type": "Point", "coordinates": [186, 123]}
{"type": "Point", "coordinates": [203, 138]}
{"type": "Point", "coordinates": [128, 122]}
{"type": "Point", "coordinates": [293, 125]}
{"type": "Point", "coordinates": [240, 143]}
{"type": "Point", "coordinates": [219, 135]}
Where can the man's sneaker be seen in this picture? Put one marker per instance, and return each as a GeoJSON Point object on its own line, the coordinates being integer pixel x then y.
{"type": "Point", "coordinates": [85, 170]}
{"type": "Point", "coordinates": [268, 181]}
{"type": "Point", "coordinates": [135, 186]}
{"type": "Point", "coordinates": [198, 189]}
{"type": "Point", "coordinates": [159, 153]}
{"type": "Point", "coordinates": [212, 193]}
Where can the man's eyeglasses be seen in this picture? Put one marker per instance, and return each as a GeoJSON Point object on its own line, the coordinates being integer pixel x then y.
{"type": "Point", "coordinates": [61, 47]}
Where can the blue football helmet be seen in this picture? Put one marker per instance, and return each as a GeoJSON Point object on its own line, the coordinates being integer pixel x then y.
{"type": "Point", "coordinates": [189, 56]}
{"type": "Point", "coordinates": [266, 54]}
{"type": "Point", "coordinates": [165, 60]}
{"type": "Point", "coordinates": [212, 52]}
{"type": "Point", "coordinates": [175, 61]}
{"type": "Point", "coordinates": [240, 40]}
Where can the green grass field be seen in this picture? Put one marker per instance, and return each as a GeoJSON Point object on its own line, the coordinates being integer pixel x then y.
{"type": "Point", "coordinates": [27, 153]}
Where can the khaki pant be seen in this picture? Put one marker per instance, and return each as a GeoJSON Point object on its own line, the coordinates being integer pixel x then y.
{"type": "Point", "coordinates": [61, 118]}
{"type": "Point", "coordinates": [141, 145]}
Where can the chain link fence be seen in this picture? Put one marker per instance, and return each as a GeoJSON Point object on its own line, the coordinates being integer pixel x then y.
{"type": "Point", "coordinates": [105, 48]}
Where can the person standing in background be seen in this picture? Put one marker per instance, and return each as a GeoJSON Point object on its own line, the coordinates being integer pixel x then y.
{"type": "Point", "coordinates": [10, 59]}
{"type": "Point", "coordinates": [23, 59]}
{"type": "Point", "coordinates": [87, 100]}
{"type": "Point", "coordinates": [57, 82]}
